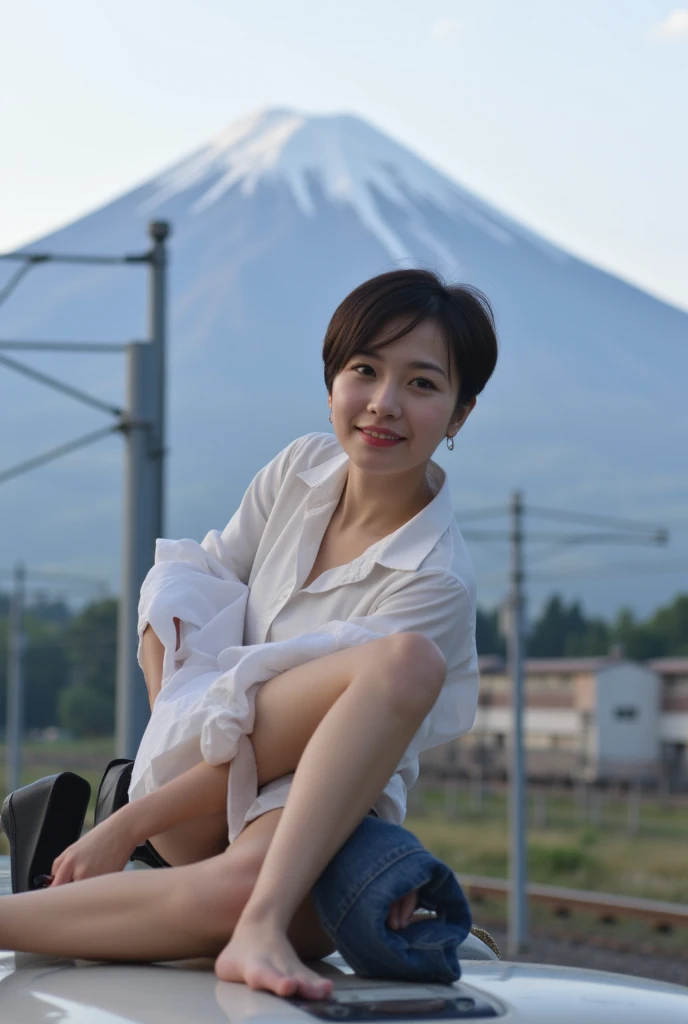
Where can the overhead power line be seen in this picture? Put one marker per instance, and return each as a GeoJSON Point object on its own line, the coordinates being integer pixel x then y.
{"type": "Point", "coordinates": [63, 346]}
{"type": "Point", "coordinates": [58, 385]}
{"type": "Point", "coordinates": [567, 539]}
{"type": "Point", "coordinates": [591, 519]}
{"type": "Point", "coordinates": [677, 568]}
{"type": "Point", "coordinates": [482, 513]}
{"type": "Point", "coordinates": [56, 453]}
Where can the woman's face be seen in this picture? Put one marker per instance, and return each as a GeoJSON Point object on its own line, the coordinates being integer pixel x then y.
{"type": "Point", "coordinates": [383, 389]}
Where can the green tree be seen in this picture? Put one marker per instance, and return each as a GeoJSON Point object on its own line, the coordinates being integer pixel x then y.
{"type": "Point", "coordinates": [488, 637]}
{"type": "Point", "coordinates": [85, 711]}
{"type": "Point", "coordinates": [49, 609]}
{"type": "Point", "coordinates": [550, 632]}
{"type": "Point", "coordinates": [669, 627]}
{"type": "Point", "coordinates": [91, 646]}
{"type": "Point", "coordinates": [46, 672]}
{"type": "Point", "coordinates": [595, 641]}
{"type": "Point", "coordinates": [564, 631]}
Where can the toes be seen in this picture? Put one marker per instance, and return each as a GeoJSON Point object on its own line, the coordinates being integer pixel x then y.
{"type": "Point", "coordinates": [265, 977]}
{"type": "Point", "coordinates": [312, 986]}
{"type": "Point", "coordinates": [276, 970]}
{"type": "Point", "coordinates": [286, 987]}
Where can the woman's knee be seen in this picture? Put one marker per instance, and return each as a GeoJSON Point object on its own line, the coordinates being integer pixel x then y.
{"type": "Point", "coordinates": [223, 887]}
{"type": "Point", "coordinates": [418, 669]}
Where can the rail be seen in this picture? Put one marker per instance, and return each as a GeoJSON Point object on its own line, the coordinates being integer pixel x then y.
{"type": "Point", "coordinates": [608, 907]}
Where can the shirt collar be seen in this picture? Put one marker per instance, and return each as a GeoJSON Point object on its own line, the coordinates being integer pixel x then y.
{"type": "Point", "coordinates": [408, 546]}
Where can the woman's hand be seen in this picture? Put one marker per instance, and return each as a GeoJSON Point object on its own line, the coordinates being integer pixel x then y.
{"type": "Point", "coordinates": [401, 911]}
{"type": "Point", "coordinates": [106, 848]}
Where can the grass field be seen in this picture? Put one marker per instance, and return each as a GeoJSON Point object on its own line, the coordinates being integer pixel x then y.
{"type": "Point", "coordinates": [605, 847]}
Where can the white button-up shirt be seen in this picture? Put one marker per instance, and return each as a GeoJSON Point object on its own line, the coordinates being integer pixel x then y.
{"type": "Point", "coordinates": [246, 617]}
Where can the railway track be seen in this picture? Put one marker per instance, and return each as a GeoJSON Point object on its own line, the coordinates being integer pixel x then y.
{"type": "Point", "coordinates": [609, 908]}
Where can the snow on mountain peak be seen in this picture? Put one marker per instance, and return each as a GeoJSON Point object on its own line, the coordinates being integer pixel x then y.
{"type": "Point", "coordinates": [352, 162]}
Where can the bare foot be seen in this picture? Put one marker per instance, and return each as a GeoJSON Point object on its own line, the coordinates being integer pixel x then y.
{"type": "Point", "coordinates": [263, 958]}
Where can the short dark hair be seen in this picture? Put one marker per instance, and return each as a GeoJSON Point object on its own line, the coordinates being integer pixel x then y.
{"type": "Point", "coordinates": [462, 312]}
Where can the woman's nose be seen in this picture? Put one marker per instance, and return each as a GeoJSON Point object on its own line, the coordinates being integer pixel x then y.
{"type": "Point", "coordinates": [385, 401]}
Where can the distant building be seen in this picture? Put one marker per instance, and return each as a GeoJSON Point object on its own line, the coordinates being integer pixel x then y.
{"type": "Point", "coordinates": [673, 729]}
{"type": "Point", "coordinates": [595, 719]}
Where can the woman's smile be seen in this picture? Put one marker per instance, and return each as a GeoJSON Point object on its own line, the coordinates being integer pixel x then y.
{"type": "Point", "coordinates": [379, 440]}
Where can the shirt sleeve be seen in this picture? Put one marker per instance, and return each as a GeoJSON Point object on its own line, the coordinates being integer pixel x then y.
{"type": "Point", "coordinates": [193, 582]}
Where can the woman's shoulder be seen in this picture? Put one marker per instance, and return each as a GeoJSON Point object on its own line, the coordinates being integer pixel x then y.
{"type": "Point", "coordinates": [449, 558]}
{"type": "Point", "coordinates": [312, 450]}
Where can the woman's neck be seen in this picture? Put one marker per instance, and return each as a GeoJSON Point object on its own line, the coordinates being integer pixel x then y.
{"type": "Point", "coordinates": [379, 504]}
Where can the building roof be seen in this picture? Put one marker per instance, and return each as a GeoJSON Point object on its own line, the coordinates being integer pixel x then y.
{"type": "Point", "coordinates": [669, 666]}
{"type": "Point", "coordinates": [569, 666]}
{"type": "Point", "coordinates": [493, 664]}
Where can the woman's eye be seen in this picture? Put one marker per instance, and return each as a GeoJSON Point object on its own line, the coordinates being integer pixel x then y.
{"type": "Point", "coordinates": [366, 366]}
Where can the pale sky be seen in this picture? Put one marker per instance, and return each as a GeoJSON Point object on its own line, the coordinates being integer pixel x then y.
{"type": "Point", "coordinates": [569, 116]}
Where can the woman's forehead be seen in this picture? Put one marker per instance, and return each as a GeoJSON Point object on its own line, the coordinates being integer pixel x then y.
{"type": "Point", "coordinates": [428, 334]}
{"type": "Point", "coordinates": [425, 340]}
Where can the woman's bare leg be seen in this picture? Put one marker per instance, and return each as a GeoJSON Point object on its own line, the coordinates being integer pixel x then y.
{"type": "Point", "coordinates": [199, 796]}
{"type": "Point", "coordinates": [157, 915]}
{"type": "Point", "coordinates": [152, 915]}
{"type": "Point", "coordinates": [346, 764]}
{"type": "Point", "coordinates": [186, 819]}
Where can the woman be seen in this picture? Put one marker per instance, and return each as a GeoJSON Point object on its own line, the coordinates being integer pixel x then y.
{"type": "Point", "coordinates": [366, 521]}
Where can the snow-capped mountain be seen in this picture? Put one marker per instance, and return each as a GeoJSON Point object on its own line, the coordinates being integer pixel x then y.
{"type": "Point", "coordinates": [273, 222]}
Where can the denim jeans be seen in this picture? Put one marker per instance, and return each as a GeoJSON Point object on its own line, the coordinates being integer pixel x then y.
{"type": "Point", "coordinates": [379, 864]}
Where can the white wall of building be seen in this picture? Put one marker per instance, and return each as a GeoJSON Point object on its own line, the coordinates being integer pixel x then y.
{"type": "Point", "coordinates": [548, 721]}
{"type": "Point", "coordinates": [673, 727]}
{"type": "Point", "coordinates": [627, 714]}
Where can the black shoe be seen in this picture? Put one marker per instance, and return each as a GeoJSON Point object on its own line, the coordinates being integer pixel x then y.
{"type": "Point", "coordinates": [113, 793]}
{"type": "Point", "coordinates": [41, 820]}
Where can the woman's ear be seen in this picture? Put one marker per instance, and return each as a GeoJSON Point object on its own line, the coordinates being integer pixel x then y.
{"type": "Point", "coordinates": [465, 412]}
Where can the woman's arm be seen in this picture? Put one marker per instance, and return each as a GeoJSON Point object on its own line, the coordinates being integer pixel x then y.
{"type": "Point", "coordinates": [108, 846]}
{"type": "Point", "coordinates": [192, 582]}
{"type": "Point", "coordinates": [152, 655]}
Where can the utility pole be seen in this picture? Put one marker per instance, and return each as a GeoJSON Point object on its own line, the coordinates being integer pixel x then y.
{"type": "Point", "coordinates": [15, 679]}
{"type": "Point", "coordinates": [157, 316]}
{"type": "Point", "coordinates": [142, 425]}
{"type": "Point", "coordinates": [609, 530]}
{"type": "Point", "coordinates": [143, 494]}
{"type": "Point", "coordinates": [518, 910]}
{"type": "Point", "coordinates": [140, 514]}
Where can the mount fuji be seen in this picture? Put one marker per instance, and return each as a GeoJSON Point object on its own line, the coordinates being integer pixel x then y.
{"type": "Point", "coordinates": [273, 222]}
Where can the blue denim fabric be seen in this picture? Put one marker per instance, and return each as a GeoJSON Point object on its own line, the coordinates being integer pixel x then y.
{"type": "Point", "coordinates": [379, 864]}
